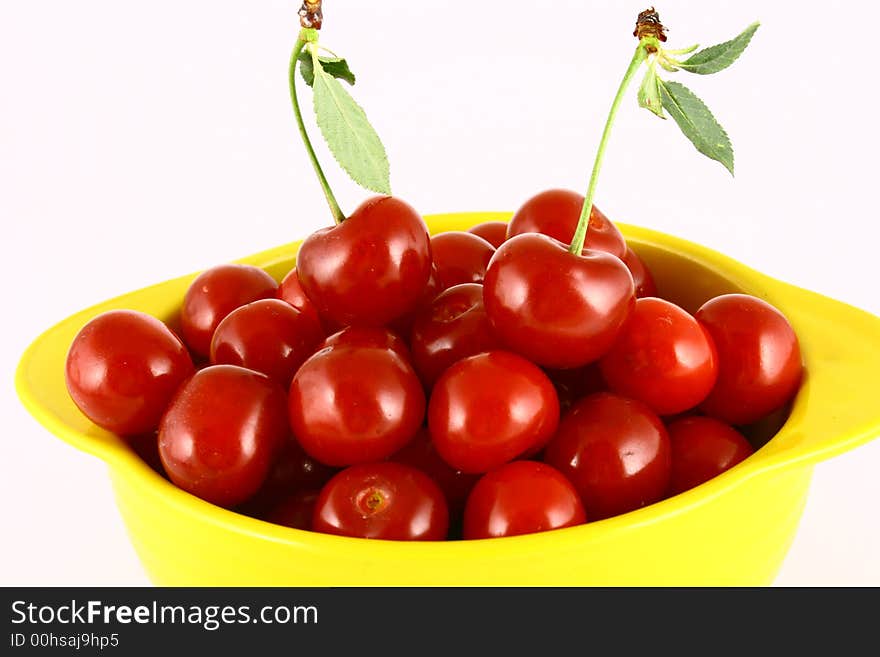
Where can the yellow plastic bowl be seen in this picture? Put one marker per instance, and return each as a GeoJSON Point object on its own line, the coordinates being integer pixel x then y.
{"type": "Point", "coordinates": [732, 530]}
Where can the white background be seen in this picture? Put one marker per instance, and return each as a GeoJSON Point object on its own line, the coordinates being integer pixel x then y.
{"type": "Point", "coordinates": [144, 140]}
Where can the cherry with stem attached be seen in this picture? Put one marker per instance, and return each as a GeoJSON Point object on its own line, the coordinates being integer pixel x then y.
{"type": "Point", "coordinates": [371, 267]}
{"type": "Point", "coordinates": [560, 305]}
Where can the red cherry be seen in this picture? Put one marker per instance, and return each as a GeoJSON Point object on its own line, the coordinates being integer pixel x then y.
{"type": "Point", "coordinates": [372, 268]}
{"type": "Point", "coordinates": [352, 405]}
{"type": "Point", "coordinates": [268, 336]}
{"type": "Point", "coordinates": [490, 408]}
{"type": "Point", "coordinates": [521, 497]}
{"type": "Point", "coordinates": [460, 257]}
{"type": "Point", "coordinates": [453, 327]}
{"type": "Point", "coordinates": [663, 357]}
{"type": "Point", "coordinates": [122, 369]}
{"type": "Point", "coordinates": [615, 451]}
{"type": "Point", "coordinates": [702, 448]}
{"type": "Point", "coordinates": [494, 232]}
{"type": "Point", "coordinates": [420, 453]}
{"type": "Point", "coordinates": [759, 359]}
{"type": "Point", "coordinates": [291, 292]}
{"type": "Point", "coordinates": [214, 294]}
{"type": "Point", "coordinates": [386, 500]}
{"type": "Point", "coordinates": [556, 212]}
{"type": "Point", "coordinates": [556, 309]}
{"type": "Point", "coordinates": [642, 278]}
{"type": "Point", "coordinates": [221, 432]}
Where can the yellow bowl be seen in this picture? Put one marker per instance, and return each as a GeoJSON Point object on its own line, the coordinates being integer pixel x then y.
{"type": "Point", "coordinates": [732, 530]}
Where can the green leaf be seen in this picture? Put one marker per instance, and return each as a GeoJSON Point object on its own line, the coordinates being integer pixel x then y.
{"type": "Point", "coordinates": [649, 93]}
{"type": "Point", "coordinates": [719, 57]}
{"type": "Point", "coordinates": [696, 122]}
{"type": "Point", "coordinates": [352, 140]}
{"type": "Point", "coordinates": [335, 66]}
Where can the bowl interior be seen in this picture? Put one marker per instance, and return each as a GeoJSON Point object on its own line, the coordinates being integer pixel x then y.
{"type": "Point", "coordinates": [682, 279]}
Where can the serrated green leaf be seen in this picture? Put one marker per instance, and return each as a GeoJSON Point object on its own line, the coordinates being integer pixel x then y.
{"type": "Point", "coordinates": [649, 93]}
{"type": "Point", "coordinates": [719, 57]}
{"type": "Point", "coordinates": [696, 122]}
{"type": "Point", "coordinates": [335, 66]}
{"type": "Point", "coordinates": [352, 140]}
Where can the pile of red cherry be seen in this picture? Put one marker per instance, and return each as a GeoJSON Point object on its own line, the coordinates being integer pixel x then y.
{"type": "Point", "coordinates": [467, 385]}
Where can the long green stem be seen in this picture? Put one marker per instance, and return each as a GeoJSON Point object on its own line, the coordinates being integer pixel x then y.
{"type": "Point", "coordinates": [577, 243]}
{"type": "Point", "coordinates": [338, 215]}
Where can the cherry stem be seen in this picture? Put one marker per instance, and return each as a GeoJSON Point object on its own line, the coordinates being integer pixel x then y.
{"type": "Point", "coordinates": [307, 36]}
{"type": "Point", "coordinates": [577, 243]}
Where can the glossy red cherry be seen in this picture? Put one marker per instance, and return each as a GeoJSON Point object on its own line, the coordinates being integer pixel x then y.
{"type": "Point", "coordinates": [453, 327]}
{"type": "Point", "coordinates": [556, 212]}
{"type": "Point", "coordinates": [122, 369]}
{"type": "Point", "coordinates": [703, 448]}
{"type": "Point", "coordinates": [420, 453]}
{"type": "Point", "coordinates": [385, 500]}
{"type": "Point", "coordinates": [372, 268]}
{"type": "Point", "coordinates": [352, 405]}
{"type": "Point", "coordinates": [221, 432]}
{"type": "Point", "coordinates": [368, 336]}
{"type": "Point", "coordinates": [268, 336]}
{"type": "Point", "coordinates": [215, 293]}
{"type": "Point", "coordinates": [460, 257]}
{"type": "Point", "coordinates": [615, 451]}
{"type": "Point", "coordinates": [642, 277]}
{"type": "Point", "coordinates": [490, 408]}
{"type": "Point", "coordinates": [494, 232]}
{"type": "Point", "coordinates": [759, 359]}
{"type": "Point", "coordinates": [663, 357]}
{"type": "Point", "coordinates": [290, 290]}
{"type": "Point", "coordinates": [521, 497]}
{"type": "Point", "coordinates": [556, 309]}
